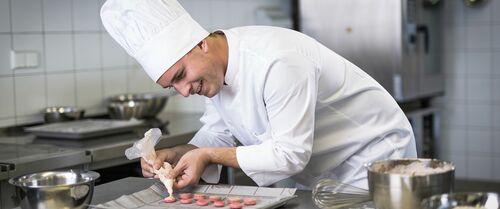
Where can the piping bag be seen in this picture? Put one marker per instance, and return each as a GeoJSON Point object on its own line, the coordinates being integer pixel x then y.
{"type": "Point", "coordinates": [145, 148]}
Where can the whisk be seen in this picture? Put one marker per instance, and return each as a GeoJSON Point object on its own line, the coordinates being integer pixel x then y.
{"type": "Point", "coordinates": [331, 194]}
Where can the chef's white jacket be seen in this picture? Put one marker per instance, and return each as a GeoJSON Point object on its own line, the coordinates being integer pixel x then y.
{"type": "Point", "coordinates": [301, 111]}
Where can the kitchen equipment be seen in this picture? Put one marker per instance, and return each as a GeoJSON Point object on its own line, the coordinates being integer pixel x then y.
{"type": "Point", "coordinates": [144, 105]}
{"type": "Point", "coordinates": [332, 194]}
{"type": "Point", "coordinates": [83, 129]}
{"type": "Point", "coordinates": [127, 110]}
{"type": "Point", "coordinates": [54, 189]}
{"type": "Point", "coordinates": [60, 114]}
{"type": "Point", "coordinates": [397, 42]}
{"type": "Point", "coordinates": [484, 200]}
{"type": "Point", "coordinates": [402, 191]}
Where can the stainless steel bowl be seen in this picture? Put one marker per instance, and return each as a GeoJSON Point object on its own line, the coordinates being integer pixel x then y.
{"type": "Point", "coordinates": [54, 189]}
{"type": "Point", "coordinates": [149, 105]}
{"type": "Point", "coordinates": [60, 114]}
{"type": "Point", "coordinates": [399, 191]}
{"type": "Point", "coordinates": [127, 110]}
{"type": "Point", "coordinates": [485, 200]}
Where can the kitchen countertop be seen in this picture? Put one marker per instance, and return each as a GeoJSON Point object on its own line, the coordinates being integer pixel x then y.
{"type": "Point", "coordinates": [112, 190]}
{"type": "Point", "coordinates": [25, 153]}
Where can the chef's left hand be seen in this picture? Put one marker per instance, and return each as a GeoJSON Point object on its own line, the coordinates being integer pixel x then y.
{"type": "Point", "coordinates": [189, 168]}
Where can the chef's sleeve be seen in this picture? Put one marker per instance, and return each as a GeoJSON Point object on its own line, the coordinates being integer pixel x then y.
{"type": "Point", "coordinates": [213, 133]}
{"type": "Point", "coordinates": [290, 96]}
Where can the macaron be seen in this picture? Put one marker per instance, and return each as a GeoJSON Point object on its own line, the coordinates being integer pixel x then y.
{"type": "Point", "coordinates": [169, 199]}
{"type": "Point", "coordinates": [234, 199]}
{"type": "Point", "coordinates": [186, 195]}
{"type": "Point", "coordinates": [187, 201]}
{"type": "Point", "coordinates": [219, 203]}
{"type": "Point", "coordinates": [214, 198]}
{"type": "Point", "coordinates": [249, 201]}
{"type": "Point", "coordinates": [202, 202]}
{"type": "Point", "coordinates": [235, 205]}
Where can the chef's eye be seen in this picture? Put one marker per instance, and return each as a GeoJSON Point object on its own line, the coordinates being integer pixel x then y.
{"type": "Point", "coordinates": [179, 76]}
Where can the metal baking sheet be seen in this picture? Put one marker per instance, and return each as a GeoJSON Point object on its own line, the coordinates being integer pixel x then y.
{"type": "Point", "coordinates": [152, 197]}
{"type": "Point", "coordinates": [82, 129]}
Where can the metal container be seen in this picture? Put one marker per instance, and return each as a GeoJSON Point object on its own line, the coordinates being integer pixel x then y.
{"type": "Point", "coordinates": [127, 110]}
{"type": "Point", "coordinates": [147, 105]}
{"type": "Point", "coordinates": [485, 200]}
{"type": "Point", "coordinates": [60, 114]}
{"type": "Point", "coordinates": [54, 189]}
{"type": "Point", "coordinates": [400, 191]}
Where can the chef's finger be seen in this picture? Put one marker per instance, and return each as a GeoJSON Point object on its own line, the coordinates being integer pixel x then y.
{"type": "Point", "coordinates": [175, 172]}
{"type": "Point", "coordinates": [146, 169]}
{"type": "Point", "coordinates": [181, 183]}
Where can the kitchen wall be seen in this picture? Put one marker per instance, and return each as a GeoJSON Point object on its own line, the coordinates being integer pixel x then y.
{"type": "Point", "coordinates": [79, 63]}
{"type": "Point", "coordinates": [470, 122]}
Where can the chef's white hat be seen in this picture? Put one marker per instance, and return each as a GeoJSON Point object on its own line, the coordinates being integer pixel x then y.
{"type": "Point", "coordinates": [157, 33]}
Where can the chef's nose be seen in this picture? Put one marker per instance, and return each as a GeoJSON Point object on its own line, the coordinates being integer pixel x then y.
{"type": "Point", "coordinates": [182, 88]}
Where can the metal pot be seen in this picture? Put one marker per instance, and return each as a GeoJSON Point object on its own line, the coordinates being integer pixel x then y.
{"type": "Point", "coordinates": [54, 189]}
{"type": "Point", "coordinates": [60, 114]}
{"type": "Point", "coordinates": [399, 191]}
{"type": "Point", "coordinates": [145, 105]}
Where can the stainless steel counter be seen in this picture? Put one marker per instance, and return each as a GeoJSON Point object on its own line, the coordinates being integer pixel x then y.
{"type": "Point", "coordinates": [25, 153]}
{"type": "Point", "coordinates": [115, 189]}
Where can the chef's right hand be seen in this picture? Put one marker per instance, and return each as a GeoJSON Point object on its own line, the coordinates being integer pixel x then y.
{"type": "Point", "coordinates": [168, 155]}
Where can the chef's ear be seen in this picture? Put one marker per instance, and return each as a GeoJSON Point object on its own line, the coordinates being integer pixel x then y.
{"type": "Point", "coordinates": [203, 45]}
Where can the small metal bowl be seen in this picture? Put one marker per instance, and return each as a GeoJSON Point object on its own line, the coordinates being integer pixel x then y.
{"type": "Point", "coordinates": [54, 189]}
{"type": "Point", "coordinates": [480, 200]}
{"type": "Point", "coordinates": [60, 114]}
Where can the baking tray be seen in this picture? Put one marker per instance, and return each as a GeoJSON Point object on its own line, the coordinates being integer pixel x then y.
{"type": "Point", "coordinates": [83, 129]}
{"type": "Point", "coordinates": [152, 197]}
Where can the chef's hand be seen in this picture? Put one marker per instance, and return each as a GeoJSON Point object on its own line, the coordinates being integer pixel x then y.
{"type": "Point", "coordinates": [171, 155]}
{"type": "Point", "coordinates": [163, 155]}
{"type": "Point", "coordinates": [190, 167]}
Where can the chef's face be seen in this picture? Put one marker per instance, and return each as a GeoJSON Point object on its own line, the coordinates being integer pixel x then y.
{"type": "Point", "coordinates": [197, 72]}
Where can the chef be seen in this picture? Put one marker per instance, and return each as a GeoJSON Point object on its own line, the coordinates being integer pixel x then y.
{"type": "Point", "coordinates": [279, 104]}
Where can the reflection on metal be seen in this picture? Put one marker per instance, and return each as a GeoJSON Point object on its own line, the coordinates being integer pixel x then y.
{"type": "Point", "coordinates": [474, 3]}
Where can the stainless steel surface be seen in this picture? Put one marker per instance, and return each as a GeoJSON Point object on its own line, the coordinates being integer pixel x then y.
{"type": "Point", "coordinates": [60, 114]}
{"type": "Point", "coordinates": [484, 200]}
{"type": "Point", "coordinates": [144, 105]}
{"type": "Point", "coordinates": [332, 194]}
{"type": "Point", "coordinates": [84, 128]}
{"type": "Point", "coordinates": [398, 191]}
{"type": "Point", "coordinates": [397, 42]}
{"type": "Point", "coordinates": [54, 189]}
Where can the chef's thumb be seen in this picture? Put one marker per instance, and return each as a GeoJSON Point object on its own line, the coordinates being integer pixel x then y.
{"type": "Point", "coordinates": [157, 164]}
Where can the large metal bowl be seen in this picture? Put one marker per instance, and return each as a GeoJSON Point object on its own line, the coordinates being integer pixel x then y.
{"type": "Point", "coordinates": [54, 189]}
{"type": "Point", "coordinates": [485, 200]}
{"type": "Point", "coordinates": [402, 191]}
{"type": "Point", "coordinates": [63, 113]}
{"type": "Point", "coordinates": [145, 105]}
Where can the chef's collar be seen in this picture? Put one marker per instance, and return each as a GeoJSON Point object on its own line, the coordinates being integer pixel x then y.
{"type": "Point", "coordinates": [233, 44]}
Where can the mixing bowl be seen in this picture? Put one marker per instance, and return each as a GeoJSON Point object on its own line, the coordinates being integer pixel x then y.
{"type": "Point", "coordinates": [139, 106]}
{"type": "Point", "coordinates": [485, 200]}
{"type": "Point", "coordinates": [405, 191]}
{"type": "Point", "coordinates": [54, 189]}
{"type": "Point", "coordinates": [60, 114]}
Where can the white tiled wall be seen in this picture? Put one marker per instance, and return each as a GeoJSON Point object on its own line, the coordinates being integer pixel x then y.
{"type": "Point", "coordinates": [79, 63]}
{"type": "Point", "coordinates": [471, 105]}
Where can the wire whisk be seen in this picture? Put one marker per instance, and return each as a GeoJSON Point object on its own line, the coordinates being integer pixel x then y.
{"type": "Point", "coordinates": [331, 194]}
